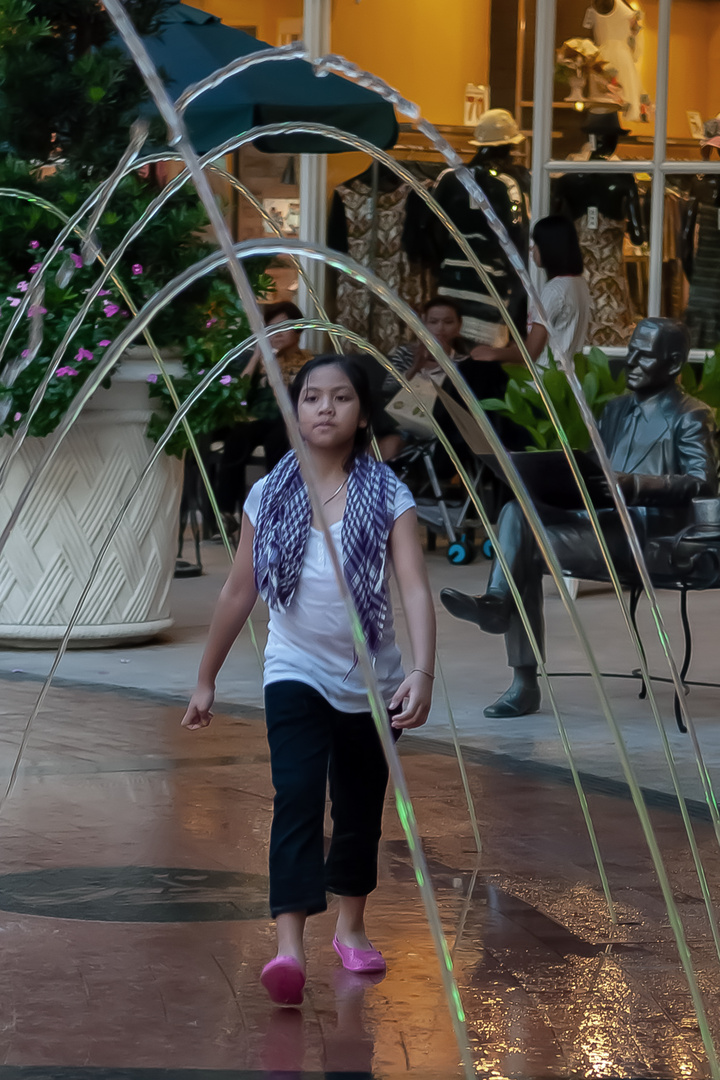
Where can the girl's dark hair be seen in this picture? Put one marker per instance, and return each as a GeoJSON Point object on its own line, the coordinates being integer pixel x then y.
{"type": "Point", "coordinates": [557, 241]}
{"type": "Point", "coordinates": [443, 301]}
{"type": "Point", "coordinates": [353, 367]}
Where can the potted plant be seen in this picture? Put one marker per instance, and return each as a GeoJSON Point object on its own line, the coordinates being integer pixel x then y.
{"type": "Point", "coordinates": [524, 406]}
{"type": "Point", "coordinates": [67, 98]}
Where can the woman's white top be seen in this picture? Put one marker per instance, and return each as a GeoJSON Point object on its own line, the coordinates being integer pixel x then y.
{"type": "Point", "coordinates": [311, 641]}
{"type": "Point", "coordinates": [566, 301]}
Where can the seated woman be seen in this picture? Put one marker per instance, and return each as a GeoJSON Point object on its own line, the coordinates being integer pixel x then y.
{"type": "Point", "coordinates": [242, 440]}
{"type": "Point", "coordinates": [565, 298]}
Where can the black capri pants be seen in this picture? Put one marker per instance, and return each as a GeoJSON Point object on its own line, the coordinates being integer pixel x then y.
{"type": "Point", "coordinates": [312, 742]}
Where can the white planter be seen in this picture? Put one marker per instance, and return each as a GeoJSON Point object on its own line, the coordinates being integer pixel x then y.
{"type": "Point", "coordinates": [52, 548]}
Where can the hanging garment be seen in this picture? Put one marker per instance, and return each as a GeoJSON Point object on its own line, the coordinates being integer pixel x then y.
{"type": "Point", "coordinates": [703, 310]}
{"type": "Point", "coordinates": [506, 187]}
{"type": "Point", "coordinates": [616, 35]}
{"type": "Point", "coordinates": [611, 317]}
{"type": "Point", "coordinates": [375, 239]}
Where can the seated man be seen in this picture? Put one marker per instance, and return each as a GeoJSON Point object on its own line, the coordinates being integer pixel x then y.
{"type": "Point", "coordinates": [661, 442]}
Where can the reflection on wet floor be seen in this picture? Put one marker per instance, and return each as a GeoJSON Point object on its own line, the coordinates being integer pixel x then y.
{"type": "Point", "coordinates": [133, 922]}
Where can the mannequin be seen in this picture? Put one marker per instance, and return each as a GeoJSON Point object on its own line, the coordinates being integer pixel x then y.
{"type": "Point", "coordinates": [661, 442]}
{"type": "Point", "coordinates": [367, 220]}
{"type": "Point", "coordinates": [506, 185]}
{"type": "Point", "coordinates": [603, 208]}
{"type": "Point", "coordinates": [701, 250]}
{"type": "Point", "coordinates": [615, 28]}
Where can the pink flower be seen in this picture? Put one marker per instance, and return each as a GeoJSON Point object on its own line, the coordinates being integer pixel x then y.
{"type": "Point", "coordinates": [24, 353]}
{"type": "Point", "coordinates": [152, 378]}
{"type": "Point", "coordinates": [13, 301]}
{"type": "Point", "coordinates": [34, 268]}
{"type": "Point", "coordinates": [104, 292]}
{"type": "Point", "coordinates": [211, 322]}
{"type": "Point", "coordinates": [102, 344]}
{"type": "Point", "coordinates": [18, 415]}
{"type": "Point", "coordinates": [23, 286]}
{"type": "Point", "coordinates": [34, 244]}
{"type": "Point", "coordinates": [226, 380]}
{"type": "Point", "coordinates": [137, 269]}
{"type": "Point", "coordinates": [84, 354]}
{"type": "Point", "coordinates": [202, 372]}
{"type": "Point", "coordinates": [77, 259]}
{"type": "Point", "coordinates": [36, 309]}
{"type": "Point", "coordinates": [65, 371]}
{"type": "Point", "coordinates": [243, 402]}
{"type": "Point", "coordinates": [110, 309]}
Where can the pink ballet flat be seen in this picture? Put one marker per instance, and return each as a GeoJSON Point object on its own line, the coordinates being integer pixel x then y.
{"type": "Point", "coordinates": [284, 980]}
{"type": "Point", "coordinates": [363, 960]}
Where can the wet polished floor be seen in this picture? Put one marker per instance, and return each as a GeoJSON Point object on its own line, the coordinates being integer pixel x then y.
{"type": "Point", "coordinates": [133, 918]}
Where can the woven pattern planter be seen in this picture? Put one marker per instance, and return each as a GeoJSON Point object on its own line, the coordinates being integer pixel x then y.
{"type": "Point", "coordinates": [54, 544]}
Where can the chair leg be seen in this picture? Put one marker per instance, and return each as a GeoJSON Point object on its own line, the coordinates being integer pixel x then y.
{"type": "Point", "coordinates": [687, 655]}
{"type": "Point", "coordinates": [635, 594]}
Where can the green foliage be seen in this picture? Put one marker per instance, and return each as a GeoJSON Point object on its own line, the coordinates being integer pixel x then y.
{"type": "Point", "coordinates": [68, 94]}
{"type": "Point", "coordinates": [67, 88]}
{"type": "Point", "coordinates": [707, 387]}
{"type": "Point", "coordinates": [232, 397]}
{"type": "Point", "coordinates": [218, 323]}
{"type": "Point", "coordinates": [524, 405]}
{"type": "Point", "coordinates": [58, 308]}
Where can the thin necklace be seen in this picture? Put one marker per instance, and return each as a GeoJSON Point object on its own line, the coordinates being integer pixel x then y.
{"type": "Point", "coordinates": [337, 492]}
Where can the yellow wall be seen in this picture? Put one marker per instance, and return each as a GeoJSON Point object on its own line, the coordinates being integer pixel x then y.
{"type": "Point", "coordinates": [694, 82]}
{"type": "Point", "coordinates": [265, 14]}
{"type": "Point", "coordinates": [428, 50]}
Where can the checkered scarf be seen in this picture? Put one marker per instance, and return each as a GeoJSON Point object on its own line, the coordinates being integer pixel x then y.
{"type": "Point", "coordinates": [283, 526]}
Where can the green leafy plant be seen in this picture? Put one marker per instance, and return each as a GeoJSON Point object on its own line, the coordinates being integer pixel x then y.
{"type": "Point", "coordinates": [224, 325]}
{"type": "Point", "coordinates": [68, 89]}
{"type": "Point", "coordinates": [68, 95]}
{"type": "Point", "coordinates": [523, 404]}
{"type": "Point", "coordinates": [705, 386]}
{"type": "Point", "coordinates": [232, 397]}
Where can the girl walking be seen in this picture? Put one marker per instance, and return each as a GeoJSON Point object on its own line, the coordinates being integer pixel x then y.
{"type": "Point", "coordinates": [319, 725]}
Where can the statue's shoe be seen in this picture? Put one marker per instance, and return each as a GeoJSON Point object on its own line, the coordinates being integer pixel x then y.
{"type": "Point", "coordinates": [517, 701]}
{"type": "Point", "coordinates": [490, 612]}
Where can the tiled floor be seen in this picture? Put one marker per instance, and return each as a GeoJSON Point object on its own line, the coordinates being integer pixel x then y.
{"type": "Point", "coordinates": [133, 922]}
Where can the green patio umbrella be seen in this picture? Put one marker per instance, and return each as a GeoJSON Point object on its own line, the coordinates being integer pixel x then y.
{"type": "Point", "coordinates": [192, 44]}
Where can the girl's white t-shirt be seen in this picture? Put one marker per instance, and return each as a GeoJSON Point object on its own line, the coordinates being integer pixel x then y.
{"type": "Point", "coordinates": [567, 302]}
{"type": "Point", "coordinates": [311, 641]}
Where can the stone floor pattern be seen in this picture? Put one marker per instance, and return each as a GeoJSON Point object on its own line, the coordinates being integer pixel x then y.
{"type": "Point", "coordinates": [133, 919]}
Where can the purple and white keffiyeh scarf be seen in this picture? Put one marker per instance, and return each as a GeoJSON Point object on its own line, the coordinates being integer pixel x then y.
{"type": "Point", "coordinates": [282, 528]}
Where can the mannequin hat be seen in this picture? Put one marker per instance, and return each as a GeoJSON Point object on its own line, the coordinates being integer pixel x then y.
{"type": "Point", "coordinates": [603, 122]}
{"type": "Point", "coordinates": [712, 132]}
{"type": "Point", "coordinates": [497, 127]}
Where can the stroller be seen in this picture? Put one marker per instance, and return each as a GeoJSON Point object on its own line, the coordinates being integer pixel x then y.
{"type": "Point", "coordinates": [443, 506]}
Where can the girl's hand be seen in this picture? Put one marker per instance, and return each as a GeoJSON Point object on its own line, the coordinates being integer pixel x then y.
{"type": "Point", "coordinates": [415, 696]}
{"type": "Point", "coordinates": [198, 713]}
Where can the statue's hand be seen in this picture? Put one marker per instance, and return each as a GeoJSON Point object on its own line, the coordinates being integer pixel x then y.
{"type": "Point", "coordinates": [627, 484]}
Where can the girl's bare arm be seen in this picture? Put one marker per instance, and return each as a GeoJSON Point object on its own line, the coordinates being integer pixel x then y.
{"type": "Point", "coordinates": [415, 693]}
{"type": "Point", "coordinates": [232, 610]}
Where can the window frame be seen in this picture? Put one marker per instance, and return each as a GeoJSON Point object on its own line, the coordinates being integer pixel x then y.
{"type": "Point", "coordinates": [658, 166]}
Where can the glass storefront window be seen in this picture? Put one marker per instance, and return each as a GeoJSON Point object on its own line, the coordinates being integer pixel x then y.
{"type": "Point", "coordinates": [693, 76]}
{"type": "Point", "coordinates": [612, 212]}
{"type": "Point", "coordinates": [691, 255]}
{"type": "Point", "coordinates": [642, 81]}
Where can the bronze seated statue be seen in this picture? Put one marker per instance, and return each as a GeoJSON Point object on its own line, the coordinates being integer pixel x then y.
{"type": "Point", "coordinates": [661, 442]}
